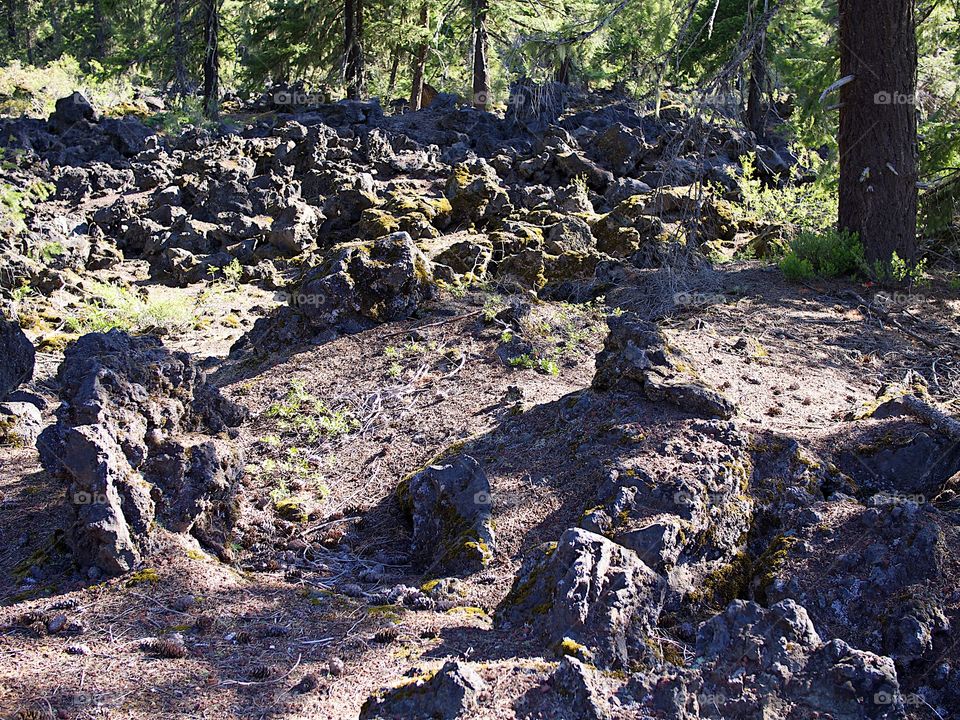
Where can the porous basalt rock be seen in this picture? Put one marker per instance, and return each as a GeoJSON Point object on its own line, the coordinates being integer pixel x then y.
{"type": "Point", "coordinates": [366, 282]}
{"type": "Point", "coordinates": [450, 505]}
{"type": "Point", "coordinates": [18, 357]}
{"type": "Point", "coordinates": [586, 596]}
{"type": "Point", "coordinates": [636, 355]}
{"type": "Point", "coordinates": [134, 444]}
{"type": "Point", "coordinates": [451, 693]}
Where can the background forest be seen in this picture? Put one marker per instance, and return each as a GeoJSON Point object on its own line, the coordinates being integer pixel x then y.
{"type": "Point", "coordinates": [645, 48]}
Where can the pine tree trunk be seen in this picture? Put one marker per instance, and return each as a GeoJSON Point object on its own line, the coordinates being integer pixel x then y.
{"type": "Point", "coordinates": [658, 84]}
{"type": "Point", "coordinates": [394, 69]}
{"type": "Point", "coordinates": [12, 21]}
{"type": "Point", "coordinates": [358, 78]}
{"type": "Point", "coordinates": [756, 112]}
{"type": "Point", "coordinates": [211, 58]}
{"type": "Point", "coordinates": [349, 39]}
{"type": "Point", "coordinates": [179, 49]}
{"type": "Point", "coordinates": [878, 127]}
{"type": "Point", "coordinates": [419, 63]}
{"type": "Point", "coordinates": [562, 74]}
{"type": "Point", "coordinates": [56, 22]}
{"type": "Point", "coordinates": [481, 73]}
{"type": "Point", "coordinates": [99, 31]}
{"type": "Point", "coordinates": [352, 47]}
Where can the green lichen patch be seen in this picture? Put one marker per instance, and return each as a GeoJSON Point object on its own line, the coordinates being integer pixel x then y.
{"type": "Point", "coordinates": [568, 646]}
{"type": "Point", "coordinates": [146, 576]}
{"type": "Point", "coordinates": [386, 612]}
{"type": "Point", "coordinates": [768, 565]}
{"type": "Point", "coordinates": [728, 582]}
{"type": "Point", "coordinates": [292, 509]}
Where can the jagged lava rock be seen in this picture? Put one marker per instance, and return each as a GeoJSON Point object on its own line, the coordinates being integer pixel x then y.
{"type": "Point", "coordinates": [133, 444]}
{"type": "Point", "coordinates": [450, 505]}
{"type": "Point", "coordinates": [636, 355]}
{"type": "Point", "coordinates": [586, 596]}
{"type": "Point", "coordinates": [366, 282]}
{"type": "Point", "coordinates": [450, 694]}
{"type": "Point", "coordinates": [18, 357]}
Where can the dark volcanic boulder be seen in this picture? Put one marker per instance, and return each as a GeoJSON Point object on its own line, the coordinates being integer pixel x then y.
{"type": "Point", "coordinates": [450, 506]}
{"type": "Point", "coordinates": [772, 663]}
{"type": "Point", "coordinates": [128, 135]}
{"type": "Point", "coordinates": [365, 282]}
{"type": "Point", "coordinates": [70, 110]}
{"type": "Point", "coordinates": [133, 444]}
{"type": "Point", "coordinates": [18, 357]}
{"type": "Point", "coordinates": [573, 164]}
{"type": "Point", "coordinates": [476, 194]}
{"type": "Point", "coordinates": [587, 596]}
{"type": "Point", "coordinates": [20, 423]}
{"type": "Point", "coordinates": [680, 507]}
{"type": "Point", "coordinates": [579, 689]}
{"type": "Point", "coordinates": [619, 148]}
{"type": "Point", "coordinates": [635, 355]}
{"type": "Point", "coordinates": [294, 228]}
{"type": "Point", "coordinates": [450, 694]}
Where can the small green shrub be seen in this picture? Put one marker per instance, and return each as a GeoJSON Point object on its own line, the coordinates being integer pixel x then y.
{"type": "Point", "coordinates": [34, 91]}
{"type": "Point", "coordinates": [832, 253]}
{"type": "Point", "coordinates": [545, 365]}
{"type": "Point", "coordinates": [51, 251]}
{"type": "Point", "coordinates": [111, 307]}
{"type": "Point", "coordinates": [811, 205]}
{"type": "Point", "coordinates": [15, 202]}
{"type": "Point", "coordinates": [188, 112]}
{"type": "Point", "coordinates": [302, 413]}
{"type": "Point", "coordinates": [901, 271]}
{"type": "Point", "coordinates": [229, 273]}
{"type": "Point", "coordinates": [521, 362]}
{"type": "Point", "coordinates": [797, 269]}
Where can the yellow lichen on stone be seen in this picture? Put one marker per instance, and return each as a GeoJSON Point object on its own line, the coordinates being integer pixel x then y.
{"type": "Point", "coordinates": [147, 575]}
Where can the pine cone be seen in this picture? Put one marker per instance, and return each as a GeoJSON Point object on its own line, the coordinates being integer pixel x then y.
{"type": "Point", "coordinates": [260, 672]}
{"type": "Point", "coordinates": [307, 684]}
{"type": "Point", "coordinates": [203, 624]}
{"type": "Point", "coordinates": [386, 635]}
{"type": "Point", "coordinates": [32, 616]}
{"type": "Point", "coordinates": [164, 647]}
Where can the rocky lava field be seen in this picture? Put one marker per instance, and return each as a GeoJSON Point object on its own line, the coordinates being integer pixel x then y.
{"type": "Point", "coordinates": [340, 414]}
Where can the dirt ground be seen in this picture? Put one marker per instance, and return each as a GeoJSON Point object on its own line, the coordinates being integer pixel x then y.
{"type": "Point", "coordinates": [269, 636]}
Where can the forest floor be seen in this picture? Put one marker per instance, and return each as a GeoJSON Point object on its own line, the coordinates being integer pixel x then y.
{"type": "Point", "coordinates": [274, 634]}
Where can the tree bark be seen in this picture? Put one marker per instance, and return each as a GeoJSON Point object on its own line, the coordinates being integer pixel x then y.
{"type": "Point", "coordinates": [932, 416]}
{"type": "Point", "coordinates": [179, 49]}
{"type": "Point", "coordinates": [481, 73]}
{"type": "Point", "coordinates": [756, 117]}
{"type": "Point", "coordinates": [562, 74]}
{"type": "Point", "coordinates": [352, 47]}
{"type": "Point", "coordinates": [658, 84]}
{"type": "Point", "coordinates": [878, 128]}
{"type": "Point", "coordinates": [211, 58]}
{"type": "Point", "coordinates": [395, 53]}
{"type": "Point", "coordinates": [756, 111]}
{"type": "Point", "coordinates": [56, 22]}
{"type": "Point", "coordinates": [394, 69]}
{"type": "Point", "coordinates": [99, 31]}
{"type": "Point", "coordinates": [12, 21]}
{"type": "Point", "coordinates": [349, 39]}
{"type": "Point", "coordinates": [358, 55]}
{"type": "Point", "coordinates": [419, 62]}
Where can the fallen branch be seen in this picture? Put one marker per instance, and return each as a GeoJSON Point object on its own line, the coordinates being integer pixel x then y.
{"type": "Point", "coordinates": [877, 310]}
{"type": "Point", "coordinates": [935, 418]}
{"type": "Point", "coordinates": [433, 324]}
